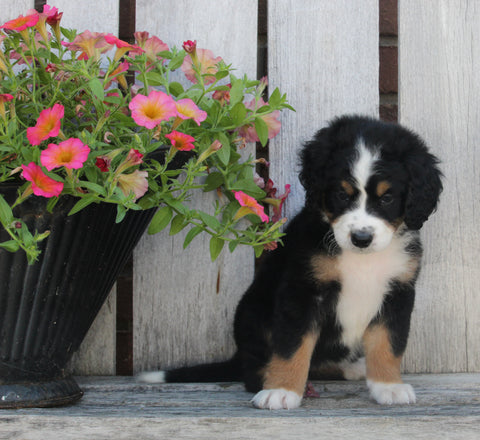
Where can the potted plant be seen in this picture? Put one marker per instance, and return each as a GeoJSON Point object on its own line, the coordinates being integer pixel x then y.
{"type": "Point", "coordinates": [100, 138]}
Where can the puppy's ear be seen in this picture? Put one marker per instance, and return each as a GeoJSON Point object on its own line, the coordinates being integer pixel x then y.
{"type": "Point", "coordinates": [313, 160]}
{"type": "Point", "coordinates": [425, 186]}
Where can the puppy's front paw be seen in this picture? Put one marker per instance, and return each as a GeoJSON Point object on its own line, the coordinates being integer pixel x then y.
{"type": "Point", "coordinates": [277, 399]}
{"type": "Point", "coordinates": [391, 393]}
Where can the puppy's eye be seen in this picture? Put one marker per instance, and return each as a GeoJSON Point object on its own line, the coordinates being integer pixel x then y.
{"type": "Point", "coordinates": [386, 199]}
{"type": "Point", "coordinates": [343, 196]}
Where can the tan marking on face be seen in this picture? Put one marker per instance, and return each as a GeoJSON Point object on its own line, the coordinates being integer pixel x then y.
{"type": "Point", "coordinates": [382, 364]}
{"type": "Point", "coordinates": [348, 188]}
{"type": "Point", "coordinates": [291, 374]}
{"type": "Point", "coordinates": [382, 188]}
{"type": "Point", "coordinates": [324, 268]}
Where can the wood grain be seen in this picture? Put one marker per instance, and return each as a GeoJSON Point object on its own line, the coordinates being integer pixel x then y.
{"type": "Point", "coordinates": [439, 90]}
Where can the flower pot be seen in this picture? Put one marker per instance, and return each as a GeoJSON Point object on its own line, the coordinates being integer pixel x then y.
{"type": "Point", "coordinates": [47, 308]}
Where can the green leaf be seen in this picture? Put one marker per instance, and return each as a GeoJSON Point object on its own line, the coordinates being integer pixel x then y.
{"type": "Point", "coordinates": [262, 130]}
{"type": "Point", "coordinates": [178, 223]}
{"type": "Point", "coordinates": [232, 245]}
{"type": "Point", "coordinates": [82, 203]}
{"type": "Point", "coordinates": [191, 235]}
{"type": "Point", "coordinates": [6, 215]}
{"type": "Point", "coordinates": [93, 187]}
{"type": "Point", "coordinates": [213, 181]}
{"type": "Point", "coordinates": [177, 61]}
{"type": "Point", "coordinates": [210, 220]}
{"type": "Point", "coordinates": [175, 88]}
{"type": "Point", "coordinates": [97, 88]}
{"type": "Point", "coordinates": [160, 220]}
{"type": "Point", "coordinates": [10, 246]}
{"type": "Point", "coordinates": [248, 186]}
{"type": "Point", "coordinates": [236, 92]}
{"type": "Point", "coordinates": [258, 251]}
{"type": "Point", "coordinates": [224, 153]}
{"type": "Point", "coordinates": [216, 246]}
{"type": "Point", "coordinates": [238, 113]}
{"type": "Point", "coordinates": [121, 213]}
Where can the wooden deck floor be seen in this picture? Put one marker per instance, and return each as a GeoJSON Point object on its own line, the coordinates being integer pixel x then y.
{"type": "Point", "coordinates": [448, 407]}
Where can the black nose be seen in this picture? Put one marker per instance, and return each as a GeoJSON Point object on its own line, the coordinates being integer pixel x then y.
{"type": "Point", "coordinates": [362, 238]}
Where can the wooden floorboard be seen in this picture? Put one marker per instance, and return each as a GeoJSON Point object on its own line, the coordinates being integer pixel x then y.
{"type": "Point", "coordinates": [448, 406]}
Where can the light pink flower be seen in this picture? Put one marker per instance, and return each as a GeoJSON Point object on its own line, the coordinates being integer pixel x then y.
{"type": "Point", "coordinates": [271, 119]}
{"type": "Point", "coordinates": [205, 61]}
{"type": "Point", "coordinates": [92, 44]}
{"type": "Point", "coordinates": [149, 111]}
{"type": "Point", "coordinates": [42, 185]}
{"type": "Point", "coordinates": [71, 153]}
{"type": "Point", "coordinates": [151, 46]}
{"type": "Point", "coordinates": [48, 125]}
{"type": "Point", "coordinates": [135, 183]}
{"type": "Point", "coordinates": [187, 109]}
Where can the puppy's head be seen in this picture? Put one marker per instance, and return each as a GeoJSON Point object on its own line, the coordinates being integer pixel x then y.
{"type": "Point", "coordinates": [368, 178]}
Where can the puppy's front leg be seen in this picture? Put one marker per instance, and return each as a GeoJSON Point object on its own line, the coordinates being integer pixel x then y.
{"type": "Point", "coordinates": [383, 368]}
{"type": "Point", "coordinates": [285, 378]}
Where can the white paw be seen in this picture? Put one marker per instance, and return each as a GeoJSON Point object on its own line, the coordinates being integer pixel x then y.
{"type": "Point", "coordinates": [277, 399]}
{"type": "Point", "coordinates": [391, 393]}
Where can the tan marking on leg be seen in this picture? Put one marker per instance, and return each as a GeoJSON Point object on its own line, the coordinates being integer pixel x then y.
{"type": "Point", "coordinates": [382, 364]}
{"type": "Point", "coordinates": [324, 268]}
{"type": "Point", "coordinates": [291, 374]}
{"type": "Point", "coordinates": [382, 188]}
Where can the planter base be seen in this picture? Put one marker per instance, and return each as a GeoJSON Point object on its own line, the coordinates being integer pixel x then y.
{"type": "Point", "coordinates": [51, 392]}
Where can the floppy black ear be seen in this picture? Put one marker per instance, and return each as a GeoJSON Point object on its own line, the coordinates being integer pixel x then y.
{"type": "Point", "coordinates": [313, 160]}
{"type": "Point", "coordinates": [425, 186]}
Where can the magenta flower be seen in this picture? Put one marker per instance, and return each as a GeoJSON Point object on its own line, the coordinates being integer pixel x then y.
{"type": "Point", "coordinates": [103, 163]}
{"type": "Point", "coordinates": [274, 200]}
{"type": "Point", "coordinates": [71, 153]}
{"type": "Point", "coordinates": [190, 46]}
{"type": "Point", "coordinates": [21, 23]}
{"type": "Point", "coordinates": [48, 125]}
{"type": "Point", "coordinates": [248, 205]}
{"type": "Point", "coordinates": [205, 61]}
{"type": "Point", "coordinates": [273, 124]}
{"type": "Point", "coordinates": [42, 185]}
{"type": "Point", "coordinates": [187, 109]}
{"type": "Point", "coordinates": [149, 111]}
{"type": "Point", "coordinates": [181, 141]}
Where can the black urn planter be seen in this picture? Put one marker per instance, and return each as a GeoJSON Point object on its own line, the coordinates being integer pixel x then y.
{"type": "Point", "coordinates": [47, 308]}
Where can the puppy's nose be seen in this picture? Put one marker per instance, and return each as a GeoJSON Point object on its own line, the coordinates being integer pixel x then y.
{"type": "Point", "coordinates": [361, 238]}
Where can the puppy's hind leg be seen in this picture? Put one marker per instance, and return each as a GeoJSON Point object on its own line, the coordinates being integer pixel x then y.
{"type": "Point", "coordinates": [285, 378]}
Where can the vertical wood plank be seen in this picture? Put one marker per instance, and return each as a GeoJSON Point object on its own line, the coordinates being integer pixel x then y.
{"type": "Point", "coordinates": [10, 10]}
{"type": "Point", "coordinates": [324, 55]}
{"type": "Point", "coordinates": [97, 352]}
{"type": "Point", "coordinates": [439, 54]}
{"type": "Point", "coordinates": [183, 303]}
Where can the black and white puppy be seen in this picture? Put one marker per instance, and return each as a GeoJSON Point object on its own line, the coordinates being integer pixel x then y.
{"type": "Point", "coordinates": [339, 294]}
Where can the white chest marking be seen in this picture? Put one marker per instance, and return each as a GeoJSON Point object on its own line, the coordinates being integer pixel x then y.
{"type": "Point", "coordinates": [365, 280]}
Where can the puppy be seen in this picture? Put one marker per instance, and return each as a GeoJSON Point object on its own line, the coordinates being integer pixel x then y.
{"type": "Point", "coordinates": [339, 293]}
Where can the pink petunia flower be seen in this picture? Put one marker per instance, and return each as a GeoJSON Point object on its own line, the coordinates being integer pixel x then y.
{"type": "Point", "coordinates": [152, 46]}
{"type": "Point", "coordinates": [271, 119]}
{"type": "Point", "coordinates": [249, 206]}
{"type": "Point", "coordinates": [181, 141]}
{"type": "Point", "coordinates": [190, 46]}
{"type": "Point", "coordinates": [92, 44]}
{"type": "Point", "coordinates": [71, 153]}
{"type": "Point", "coordinates": [21, 23]}
{"type": "Point", "coordinates": [42, 185]}
{"type": "Point", "coordinates": [187, 109]}
{"type": "Point", "coordinates": [149, 111]}
{"type": "Point", "coordinates": [48, 124]}
{"type": "Point", "coordinates": [135, 182]}
{"type": "Point", "coordinates": [122, 46]}
{"type": "Point", "coordinates": [205, 61]}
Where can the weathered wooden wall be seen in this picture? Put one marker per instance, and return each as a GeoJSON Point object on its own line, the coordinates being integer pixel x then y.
{"type": "Point", "coordinates": [439, 58]}
{"type": "Point", "coordinates": [324, 55]}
